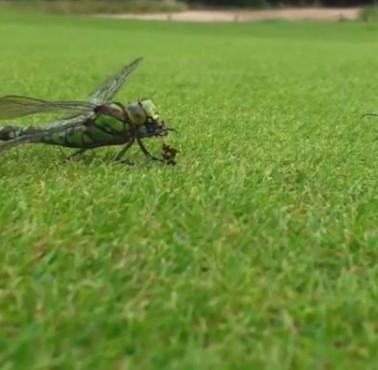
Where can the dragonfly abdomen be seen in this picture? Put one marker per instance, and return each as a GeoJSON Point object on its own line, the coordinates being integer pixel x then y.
{"type": "Point", "coordinates": [12, 132]}
{"type": "Point", "coordinates": [103, 130]}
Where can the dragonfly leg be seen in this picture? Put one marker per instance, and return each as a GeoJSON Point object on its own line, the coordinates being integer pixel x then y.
{"type": "Point", "coordinates": [77, 153]}
{"type": "Point", "coordinates": [124, 150]}
{"type": "Point", "coordinates": [146, 152]}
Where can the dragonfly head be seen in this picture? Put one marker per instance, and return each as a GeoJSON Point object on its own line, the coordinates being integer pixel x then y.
{"type": "Point", "coordinates": [144, 115]}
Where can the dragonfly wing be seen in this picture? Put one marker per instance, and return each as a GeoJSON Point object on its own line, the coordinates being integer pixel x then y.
{"type": "Point", "coordinates": [69, 122]}
{"type": "Point", "coordinates": [13, 106]}
{"type": "Point", "coordinates": [106, 92]}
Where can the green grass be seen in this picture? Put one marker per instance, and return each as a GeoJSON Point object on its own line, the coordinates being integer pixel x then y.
{"type": "Point", "coordinates": [257, 251]}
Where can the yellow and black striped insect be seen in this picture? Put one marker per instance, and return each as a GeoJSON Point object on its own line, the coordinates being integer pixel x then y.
{"type": "Point", "coordinates": [98, 122]}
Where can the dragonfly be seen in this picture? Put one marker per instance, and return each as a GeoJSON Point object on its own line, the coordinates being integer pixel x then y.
{"type": "Point", "coordinates": [99, 121]}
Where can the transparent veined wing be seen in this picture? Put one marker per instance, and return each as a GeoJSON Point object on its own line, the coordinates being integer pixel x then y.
{"type": "Point", "coordinates": [68, 122]}
{"type": "Point", "coordinates": [13, 106]}
{"type": "Point", "coordinates": [56, 126]}
{"type": "Point", "coordinates": [105, 92]}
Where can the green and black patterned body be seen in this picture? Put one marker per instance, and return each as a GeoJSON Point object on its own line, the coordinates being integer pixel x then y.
{"type": "Point", "coordinates": [100, 131]}
{"type": "Point", "coordinates": [111, 125]}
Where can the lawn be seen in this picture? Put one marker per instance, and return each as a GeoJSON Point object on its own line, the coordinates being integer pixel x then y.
{"type": "Point", "coordinates": [258, 250]}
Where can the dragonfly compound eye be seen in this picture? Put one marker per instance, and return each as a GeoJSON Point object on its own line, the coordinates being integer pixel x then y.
{"type": "Point", "coordinates": [137, 114]}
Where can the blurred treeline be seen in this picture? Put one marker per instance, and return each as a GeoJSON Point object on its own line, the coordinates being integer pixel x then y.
{"type": "Point", "coordinates": [97, 6]}
{"type": "Point", "coordinates": [284, 3]}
